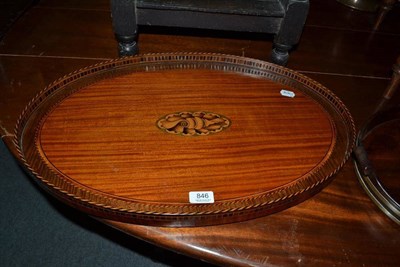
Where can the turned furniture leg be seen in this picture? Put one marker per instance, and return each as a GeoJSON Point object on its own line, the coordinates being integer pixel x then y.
{"type": "Point", "coordinates": [392, 87]}
{"type": "Point", "coordinates": [290, 30]}
{"type": "Point", "coordinates": [280, 54]}
{"type": "Point", "coordinates": [385, 7]}
{"type": "Point", "coordinates": [123, 13]}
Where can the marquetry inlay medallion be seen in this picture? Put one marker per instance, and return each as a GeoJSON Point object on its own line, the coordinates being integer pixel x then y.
{"type": "Point", "coordinates": [193, 123]}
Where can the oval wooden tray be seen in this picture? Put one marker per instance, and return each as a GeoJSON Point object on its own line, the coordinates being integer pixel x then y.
{"type": "Point", "coordinates": [129, 139]}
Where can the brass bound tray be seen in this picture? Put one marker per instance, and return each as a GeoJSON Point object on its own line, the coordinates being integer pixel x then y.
{"type": "Point", "coordinates": [184, 139]}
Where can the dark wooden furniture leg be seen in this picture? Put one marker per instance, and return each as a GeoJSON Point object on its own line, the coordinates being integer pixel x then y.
{"type": "Point", "coordinates": [385, 7]}
{"type": "Point", "coordinates": [290, 31]}
{"type": "Point", "coordinates": [125, 26]}
{"type": "Point", "coordinates": [392, 87]}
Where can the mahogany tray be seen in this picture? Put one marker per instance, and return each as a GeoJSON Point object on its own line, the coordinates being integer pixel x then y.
{"type": "Point", "coordinates": [129, 139]}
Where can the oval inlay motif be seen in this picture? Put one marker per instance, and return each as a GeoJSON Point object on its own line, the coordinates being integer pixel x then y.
{"type": "Point", "coordinates": [193, 123]}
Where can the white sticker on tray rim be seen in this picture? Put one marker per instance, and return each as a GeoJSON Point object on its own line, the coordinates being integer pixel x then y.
{"type": "Point", "coordinates": [287, 93]}
{"type": "Point", "coordinates": [201, 197]}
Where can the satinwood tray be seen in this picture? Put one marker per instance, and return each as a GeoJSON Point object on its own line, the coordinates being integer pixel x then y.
{"type": "Point", "coordinates": [184, 139]}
